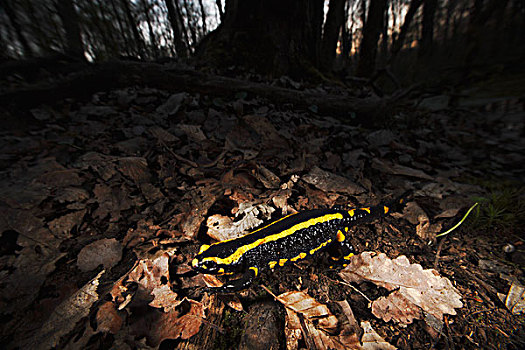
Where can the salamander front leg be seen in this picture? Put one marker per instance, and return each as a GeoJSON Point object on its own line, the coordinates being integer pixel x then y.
{"type": "Point", "coordinates": [235, 285]}
{"type": "Point", "coordinates": [347, 251]}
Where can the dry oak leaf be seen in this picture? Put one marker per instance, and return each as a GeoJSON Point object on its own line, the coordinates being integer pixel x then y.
{"type": "Point", "coordinates": [373, 341]}
{"type": "Point", "coordinates": [108, 319]}
{"type": "Point", "coordinates": [317, 327]}
{"type": "Point", "coordinates": [416, 287]}
{"type": "Point", "coordinates": [107, 251]}
{"type": "Point", "coordinates": [175, 324]}
{"type": "Point", "coordinates": [153, 278]}
{"type": "Point", "coordinates": [221, 227]}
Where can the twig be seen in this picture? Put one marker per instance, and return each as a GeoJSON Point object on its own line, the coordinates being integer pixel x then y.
{"type": "Point", "coordinates": [440, 246]}
{"type": "Point", "coordinates": [354, 288]}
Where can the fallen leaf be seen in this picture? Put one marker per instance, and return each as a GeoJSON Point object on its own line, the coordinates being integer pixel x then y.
{"type": "Point", "coordinates": [449, 213]}
{"type": "Point", "coordinates": [373, 341]}
{"type": "Point", "coordinates": [136, 168]}
{"type": "Point", "coordinates": [222, 227]}
{"type": "Point", "coordinates": [108, 319]}
{"type": "Point", "coordinates": [165, 298]}
{"type": "Point", "coordinates": [111, 201]}
{"type": "Point", "coordinates": [200, 205]}
{"type": "Point", "coordinates": [172, 104]}
{"type": "Point", "coordinates": [397, 169]}
{"type": "Point", "coordinates": [183, 322]}
{"type": "Point", "coordinates": [62, 226]}
{"type": "Point", "coordinates": [64, 318]}
{"type": "Point", "coordinates": [107, 252]}
{"type": "Point", "coordinates": [193, 132]}
{"type": "Point", "coordinates": [515, 298]}
{"type": "Point", "coordinates": [320, 325]}
{"type": "Point", "coordinates": [330, 182]}
{"type": "Point", "coordinates": [415, 287]}
{"type": "Point", "coordinates": [416, 215]}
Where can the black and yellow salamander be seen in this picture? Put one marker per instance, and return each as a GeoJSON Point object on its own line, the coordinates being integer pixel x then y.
{"type": "Point", "coordinates": [284, 241]}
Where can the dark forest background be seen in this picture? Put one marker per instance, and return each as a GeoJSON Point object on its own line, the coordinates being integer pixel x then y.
{"type": "Point", "coordinates": [408, 40]}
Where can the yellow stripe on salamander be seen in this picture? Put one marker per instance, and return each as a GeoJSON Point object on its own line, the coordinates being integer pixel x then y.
{"type": "Point", "coordinates": [237, 254]}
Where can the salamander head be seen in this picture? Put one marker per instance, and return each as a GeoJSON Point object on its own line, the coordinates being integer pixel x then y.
{"type": "Point", "coordinates": [208, 261]}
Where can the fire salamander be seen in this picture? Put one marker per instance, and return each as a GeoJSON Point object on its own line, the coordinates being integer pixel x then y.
{"type": "Point", "coordinates": [284, 241]}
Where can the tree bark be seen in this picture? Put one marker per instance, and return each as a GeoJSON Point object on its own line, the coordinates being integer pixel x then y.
{"type": "Point", "coordinates": [274, 37]}
{"type": "Point", "coordinates": [182, 25]}
{"type": "Point", "coordinates": [180, 45]}
{"type": "Point", "coordinates": [427, 28]}
{"type": "Point", "coordinates": [152, 36]}
{"type": "Point", "coordinates": [138, 39]}
{"type": "Point", "coordinates": [478, 19]}
{"type": "Point", "coordinates": [371, 32]}
{"type": "Point", "coordinates": [68, 16]}
{"type": "Point", "coordinates": [219, 8]}
{"type": "Point", "coordinates": [398, 43]}
{"type": "Point", "coordinates": [11, 14]}
{"type": "Point", "coordinates": [347, 34]}
{"type": "Point", "coordinates": [120, 26]}
{"type": "Point", "coordinates": [334, 21]}
{"type": "Point", "coordinates": [203, 18]}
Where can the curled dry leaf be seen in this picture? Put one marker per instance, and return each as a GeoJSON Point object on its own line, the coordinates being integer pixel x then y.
{"type": "Point", "coordinates": [373, 341]}
{"type": "Point", "coordinates": [416, 287]}
{"type": "Point", "coordinates": [515, 298]}
{"type": "Point", "coordinates": [319, 323]}
{"type": "Point", "coordinates": [107, 252]}
{"type": "Point", "coordinates": [416, 215]}
{"type": "Point", "coordinates": [309, 307]}
{"type": "Point", "coordinates": [221, 227]}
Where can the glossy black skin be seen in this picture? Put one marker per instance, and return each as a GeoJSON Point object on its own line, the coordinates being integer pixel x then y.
{"type": "Point", "coordinates": [301, 241]}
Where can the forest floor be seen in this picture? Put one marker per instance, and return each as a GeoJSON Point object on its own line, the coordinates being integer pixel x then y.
{"type": "Point", "coordinates": [104, 202]}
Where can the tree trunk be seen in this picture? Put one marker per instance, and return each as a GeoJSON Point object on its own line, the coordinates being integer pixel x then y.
{"type": "Point", "coordinates": [347, 34]}
{"type": "Point", "coordinates": [274, 37]}
{"type": "Point", "coordinates": [11, 14]}
{"type": "Point", "coordinates": [203, 18]}
{"type": "Point", "coordinates": [371, 32]}
{"type": "Point", "coordinates": [152, 36]}
{"type": "Point", "coordinates": [182, 25]}
{"type": "Point", "coordinates": [384, 39]}
{"type": "Point", "coordinates": [191, 26]}
{"type": "Point", "coordinates": [219, 7]}
{"type": "Point", "coordinates": [138, 39]}
{"type": "Point", "coordinates": [120, 27]}
{"type": "Point", "coordinates": [427, 28]}
{"type": "Point", "coordinates": [180, 45]}
{"type": "Point", "coordinates": [398, 43]}
{"type": "Point", "coordinates": [334, 21]}
{"type": "Point", "coordinates": [68, 16]}
{"type": "Point", "coordinates": [480, 17]}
